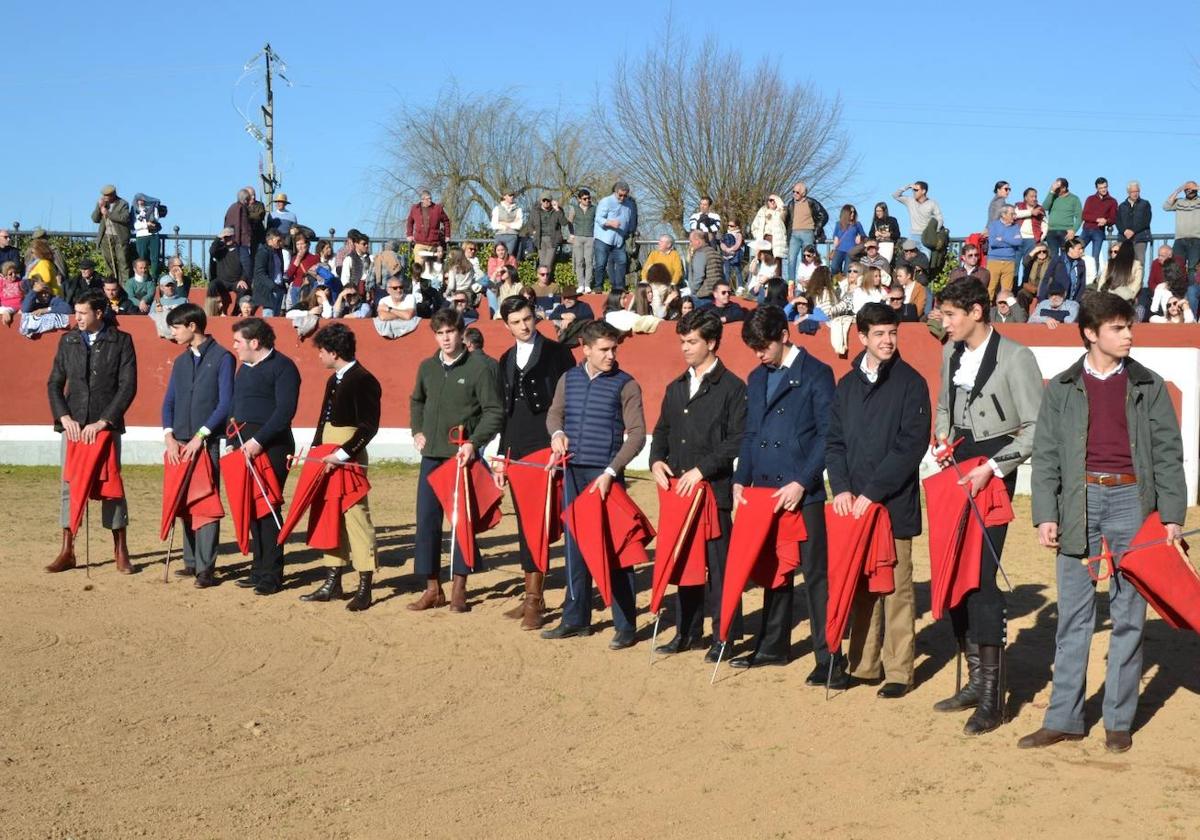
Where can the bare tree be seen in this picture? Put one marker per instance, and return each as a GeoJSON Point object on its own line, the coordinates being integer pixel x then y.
{"type": "Point", "coordinates": [470, 150]}
{"type": "Point", "coordinates": [684, 124]}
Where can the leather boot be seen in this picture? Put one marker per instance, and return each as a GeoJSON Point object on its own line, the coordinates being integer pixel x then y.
{"type": "Point", "coordinates": [458, 595]}
{"type": "Point", "coordinates": [362, 598]}
{"type": "Point", "coordinates": [330, 589]}
{"type": "Point", "coordinates": [66, 555]}
{"type": "Point", "coordinates": [535, 604]}
{"type": "Point", "coordinates": [432, 597]}
{"type": "Point", "coordinates": [121, 552]}
{"type": "Point", "coordinates": [519, 610]}
{"type": "Point", "coordinates": [966, 697]}
{"type": "Point", "coordinates": [989, 714]}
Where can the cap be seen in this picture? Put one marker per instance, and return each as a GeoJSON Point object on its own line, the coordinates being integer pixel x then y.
{"type": "Point", "coordinates": [87, 262]}
{"type": "Point", "coordinates": [281, 196]}
{"type": "Point", "coordinates": [108, 189]}
{"type": "Point", "coordinates": [570, 292]}
{"type": "Point", "coordinates": [1011, 300]}
{"type": "Point", "coordinates": [908, 245]}
{"type": "Point", "coordinates": [547, 197]}
{"type": "Point", "coordinates": [166, 280]}
{"type": "Point", "coordinates": [227, 231]}
{"type": "Point", "coordinates": [1056, 289]}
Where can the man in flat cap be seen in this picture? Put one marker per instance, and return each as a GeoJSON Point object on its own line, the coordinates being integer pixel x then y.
{"type": "Point", "coordinates": [112, 214]}
{"type": "Point", "coordinates": [547, 227]}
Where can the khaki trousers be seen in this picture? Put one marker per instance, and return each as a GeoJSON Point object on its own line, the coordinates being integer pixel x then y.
{"type": "Point", "coordinates": [1004, 275]}
{"type": "Point", "coordinates": [356, 542]}
{"type": "Point", "coordinates": [883, 627]}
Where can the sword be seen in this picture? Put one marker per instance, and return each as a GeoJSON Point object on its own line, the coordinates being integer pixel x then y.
{"type": "Point", "coordinates": [237, 430]}
{"type": "Point", "coordinates": [946, 452]}
{"type": "Point", "coordinates": [187, 479]}
{"type": "Point", "coordinates": [688, 522]}
{"type": "Point", "coordinates": [457, 438]}
{"type": "Point", "coordinates": [1105, 561]}
{"type": "Point", "coordinates": [301, 458]}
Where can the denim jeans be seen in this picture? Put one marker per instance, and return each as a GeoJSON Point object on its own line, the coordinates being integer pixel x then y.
{"type": "Point", "coordinates": [1026, 247]}
{"type": "Point", "coordinates": [838, 262]}
{"type": "Point", "coordinates": [609, 260]}
{"type": "Point", "coordinates": [1188, 250]}
{"type": "Point", "coordinates": [1055, 239]}
{"type": "Point", "coordinates": [1095, 238]}
{"type": "Point", "coordinates": [797, 241]}
{"type": "Point", "coordinates": [244, 258]}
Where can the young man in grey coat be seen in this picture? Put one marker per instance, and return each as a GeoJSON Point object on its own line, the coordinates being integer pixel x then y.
{"type": "Point", "coordinates": [1108, 452]}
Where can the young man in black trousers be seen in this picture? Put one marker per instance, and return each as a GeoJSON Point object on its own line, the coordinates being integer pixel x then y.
{"type": "Point", "coordinates": [266, 389]}
{"type": "Point", "coordinates": [878, 434]}
{"type": "Point", "coordinates": [697, 437]}
{"type": "Point", "coordinates": [528, 374]}
{"type": "Point", "coordinates": [788, 401]}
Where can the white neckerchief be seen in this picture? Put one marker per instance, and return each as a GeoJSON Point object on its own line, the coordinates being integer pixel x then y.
{"type": "Point", "coordinates": [969, 362]}
{"type": "Point", "coordinates": [524, 352]}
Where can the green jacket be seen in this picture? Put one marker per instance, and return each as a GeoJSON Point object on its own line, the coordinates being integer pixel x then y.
{"type": "Point", "coordinates": [466, 394]}
{"type": "Point", "coordinates": [1060, 453]}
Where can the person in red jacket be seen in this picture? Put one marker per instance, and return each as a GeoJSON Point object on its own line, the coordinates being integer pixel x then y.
{"type": "Point", "coordinates": [428, 227]}
{"type": "Point", "coordinates": [1099, 213]}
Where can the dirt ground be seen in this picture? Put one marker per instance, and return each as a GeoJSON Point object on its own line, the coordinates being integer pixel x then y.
{"type": "Point", "coordinates": [133, 708]}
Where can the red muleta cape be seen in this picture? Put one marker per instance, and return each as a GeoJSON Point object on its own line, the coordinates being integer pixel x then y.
{"type": "Point", "coordinates": [326, 496]}
{"type": "Point", "coordinates": [764, 545]}
{"type": "Point", "coordinates": [538, 496]}
{"type": "Point", "coordinates": [189, 490]}
{"type": "Point", "coordinates": [1164, 576]}
{"type": "Point", "coordinates": [685, 525]}
{"type": "Point", "coordinates": [608, 531]}
{"type": "Point", "coordinates": [478, 502]}
{"type": "Point", "coordinates": [955, 540]}
{"type": "Point", "coordinates": [857, 547]}
{"type": "Point", "coordinates": [92, 471]}
{"type": "Point", "coordinates": [246, 502]}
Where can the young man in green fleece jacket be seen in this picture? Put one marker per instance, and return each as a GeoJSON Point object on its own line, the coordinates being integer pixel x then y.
{"type": "Point", "coordinates": [1064, 212]}
{"type": "Point", "coordinates": [454, 387]}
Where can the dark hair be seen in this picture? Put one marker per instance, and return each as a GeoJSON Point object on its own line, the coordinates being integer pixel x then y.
{"type": "Point", "coordinates": [1119, 270]}
{"type": "Point", "coordinates": [874, 315]}
{"type": "Point", "coordinates": [882, 205]}
{"type": "Point", "coordinates": [1100, 308]}
{"type": "Point", "coordinates": [703, 321]}
{"type": "Point", "coordinates": [966, 293]}
{"type": "Point", "coordinates": [594, 331]}
{"type": "Point", "coordinates": [446, 318]}
{"type": "Point", "coordinates": [582, 192]}
{"type": "Point", "coordinates": [514, 303]}
{"type": "Point", "coordinates": [337, 339]}
{"type": "Point", "coordinates": [1066, 186]}
{"type": "Point", "coordinates": [472, 335]}
{"type": "Point", "coordinates": [185, 314]}
{"type": "Point", "coordinates": [923, 185]}
{"type": "Point", "coordinates": [765, 324]}
{"type": "Point", "coordinates": [1175, 277]}
{"type": "Point", "coordinates": [1099, 181]}
{"type": "Point", "coordinates": [776, 292]}
{"type": "Point", "coordinates": [707, 198]}
{"type": "Point", "coordinates": [94, 300]}
{"type": "Point", "coordinates": [273, 233]}
{"type": "Point", "coordinates": [1027, 191]}
{"type": "Point", "coordinates": [658, 273]}
{"type": "Point", "coordinates": [256, 329]}
{"type": "Point", "coordinates": [613, 302]}
{"type": "Point", "coordinates": [999, 185]}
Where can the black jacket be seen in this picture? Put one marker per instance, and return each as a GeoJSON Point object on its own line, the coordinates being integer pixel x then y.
{"type": "Point", "coordinates": [266, 293]}
{"type": "Point", "coordinates": [704, 431]}
{"type": "Point", "coordinates": [1134, 217]}
{"type": "Point", "coordinates": [546, 365]}
{"type": "Point", "coordinates": [96, 383]}
{"type": "Point", "coordinates": [355, 401]}
{"type": "Point", "coordinates": [73, 288]}
{"type": "Point", "coordinates": [819, 213]}
{"type": "Point", "coordinates": [878, 434]}
{"type": "Point", "coordinates": [224, 265]}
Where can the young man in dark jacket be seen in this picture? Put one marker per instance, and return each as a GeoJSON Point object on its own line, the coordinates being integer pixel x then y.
{"type": "Point", "coordinates": [269, 285]}
{"type": "Point", "coordinates": [697, 437]}
{"type": "Point", "coordinates": [194, 414]}
{"type": "Point", "coordinates": [1109, 453]}
{"type": "Point", "coordinates": [878, 434]}
{"type": "Point", "coordinates": [787, 414]}
{"type": "Point", "coordinates": [454, 387]}
{"type": "Point", "coordinates": [92, 382]}
{"type": "Point", "coordinates": [528, 375]}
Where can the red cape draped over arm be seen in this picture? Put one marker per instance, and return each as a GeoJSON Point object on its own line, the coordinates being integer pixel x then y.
{"type": "Point", "coordinates": [538, 496]}
{"type": "Point", "coordinates": [857, 547]}
{"type": "Point", "coordinates": [478, 502]}
{"type": "Point", "coordinates": [246, 502]}
{"type": "Point", "coordinates": [608, 531]}
{"type": "Point", "coordinates": [93, 473]}
{"type": "Point", "coordinates": [764, 545]}
{"type": "Point", "coordinates": [955, 539]}
{"type": "Point", "coordinates": [326, 496]}
{"type": "Point", "coordinates": [1164, 576]}
{"type": "Point", "coordinates": [189, 489]}
{"type": "Point", "coordinates": [685, 525]}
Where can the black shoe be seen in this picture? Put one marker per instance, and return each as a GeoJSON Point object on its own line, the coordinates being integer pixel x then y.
{"type": "Point", "coordinates": [245, 583]}
{"type": "Point", "coordinates": [713, 654]}
{"type": "Point", "coordinates": [757, 660]}
{"type": "Point", "coordinates": [266, 589]}
{"type": "Point", "coordinates": [818, 674]}
{"type": "Point", "coordinates": [362, 598]}
{"type": "Point", "coordinates": [623, 639]}
{"type": "Point", "coordinates": [184, 571]}
{"type": "Point", "coordinates": [838, 679]}
{"type": "Point", "coordinates": [678, 645]}
{"type": "Point", "coordinates": [330, 589]}
{"type": "Point", "coordinates": [892, 691]}
{"type": "Point", "coordinates": [565, 631]}
{"type": "Point", "coordinates": [204, 580]}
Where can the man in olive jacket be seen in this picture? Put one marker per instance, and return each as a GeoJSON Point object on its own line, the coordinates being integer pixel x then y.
{"type": "Point", "coordinates": [454, 387]}
{"type": "Point", "coordinates": [697, 437]}
{"type": "Point", "coordinates": [1107, 453]}
{"type": "Point", "coordinates": [92, 383]}
{"type": "Point", "coordinates": [112, 215]}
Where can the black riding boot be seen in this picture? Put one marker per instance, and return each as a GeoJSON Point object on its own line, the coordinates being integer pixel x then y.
{"type": "Point", "coordinates": [966, 697]}
{"type": "Point", "coordinates": [989, 714]}
{"type": "Point", "coordinates": [330, 589]}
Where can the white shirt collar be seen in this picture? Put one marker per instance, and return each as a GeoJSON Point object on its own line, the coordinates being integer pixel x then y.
{"type": "Point", "coordinates": [864, 366]}
{"type": "Point", "coordinates": [790, 356]}
{"type": "Point", "coordinates": [1092, 372]}
{"type": "Point", "coordinates": [340, 372]}
{"type": "Point", "coordinates": [449, 362]}
{"type": "Point", "coordinates": [260, 361]}
{"type": "Point", "coordinates": [969, 363]}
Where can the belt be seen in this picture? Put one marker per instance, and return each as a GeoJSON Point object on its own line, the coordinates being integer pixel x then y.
{"type": "Point", "coordinates": [1110, 479]}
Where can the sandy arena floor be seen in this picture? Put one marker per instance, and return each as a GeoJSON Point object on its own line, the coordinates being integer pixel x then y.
{"type": "Point", "coordinates": [133, 708]}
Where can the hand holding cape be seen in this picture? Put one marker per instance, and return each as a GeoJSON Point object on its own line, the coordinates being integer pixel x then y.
{"type": "Point", "coordinates": [190, 490]}
{"type": "Point", "coordinates": [538, 497]}
{"type": "Point", "coordinates": [246, 502]}
{"type": "Point", "coordinates": [92, 471]}
{"type": "Point", "coordinates": [608, 531]}
{"type": "Point", "coordinates": [1161, 572]}
{"type": "Point", "coordinates": [478, 502]}
{"type": "Point", "coordinates": [326, 495]}
{"type": "Point", "coordinates": [857, 547]}
{"type": "Point", "coordinates": [685, 525]}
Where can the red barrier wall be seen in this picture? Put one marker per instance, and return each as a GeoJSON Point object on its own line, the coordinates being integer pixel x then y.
{"type": "Point", "coordinates": [653, 359]}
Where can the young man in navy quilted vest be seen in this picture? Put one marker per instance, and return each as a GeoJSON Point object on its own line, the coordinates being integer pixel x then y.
{"type": "Point", "coordinates": [596, 417]}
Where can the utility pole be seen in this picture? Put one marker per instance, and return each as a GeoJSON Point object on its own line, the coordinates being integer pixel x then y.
{"type": "Point", "coordinates": [265, 134]}
{"type": "Point", "coordinates": [269, 179]}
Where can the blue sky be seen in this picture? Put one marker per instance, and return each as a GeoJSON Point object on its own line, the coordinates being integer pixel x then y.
{"type": "Point", "coordinates": [958, 98]}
